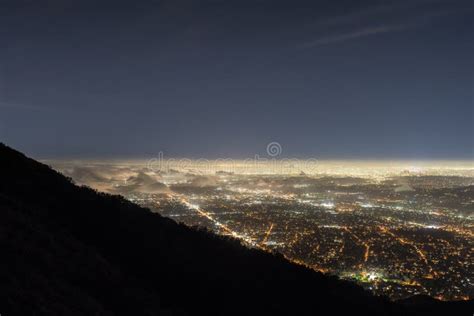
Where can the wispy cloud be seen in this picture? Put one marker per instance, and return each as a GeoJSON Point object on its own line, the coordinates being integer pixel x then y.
{"type": "Point", "coordinates": [23, 107]}
{"type": "Point", "coordinates": [355, 34]}
{"type": "Point", "coordinates": [412, 22]}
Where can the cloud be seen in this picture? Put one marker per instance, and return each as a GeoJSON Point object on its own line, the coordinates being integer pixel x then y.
{"type": "Point", "coordinates": [153, 188]}
{"type": "Point", "coordinates": [141, 179]}
{"type": "Point", "coordinates": [204, 181]}
{"type": "Point", "coordinates": [142, 183]}
{"type": "Point", "coordinates": [85, 175]}
{"type": "Point", "coordinates": [113, 179]}
{"type": "Point", "coordinates": [355, 34]}
{"type": "Point", "coordinates": [89, 176]}
{"type": "Point", "coordinates": [390, 18]}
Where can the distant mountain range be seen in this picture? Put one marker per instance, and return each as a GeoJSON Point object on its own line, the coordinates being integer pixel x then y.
{"type": "Point", "coordinates": [69, 250]}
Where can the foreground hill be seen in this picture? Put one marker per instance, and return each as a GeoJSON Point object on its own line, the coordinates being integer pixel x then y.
{"type": "Point", "coordinates": [69, 250]}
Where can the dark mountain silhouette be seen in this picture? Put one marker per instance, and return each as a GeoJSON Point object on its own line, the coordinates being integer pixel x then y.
{"type": "Point", "coordinates": [69, 250]}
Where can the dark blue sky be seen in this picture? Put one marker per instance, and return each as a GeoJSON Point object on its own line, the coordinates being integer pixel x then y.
{"type": "Point", "coordinates": [325, 79]}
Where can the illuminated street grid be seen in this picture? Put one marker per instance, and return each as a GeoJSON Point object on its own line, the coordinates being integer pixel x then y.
{"type": "Point", "coordinates": [403, 233]}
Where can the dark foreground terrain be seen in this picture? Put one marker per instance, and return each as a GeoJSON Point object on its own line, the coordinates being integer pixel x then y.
{"type": "Point", "coordinates": [69, 250]}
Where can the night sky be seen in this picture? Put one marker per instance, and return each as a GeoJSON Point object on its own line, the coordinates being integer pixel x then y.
{"type": "Point", "coordinates": [325, 79]}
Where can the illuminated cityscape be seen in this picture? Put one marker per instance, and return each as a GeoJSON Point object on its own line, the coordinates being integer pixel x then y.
{"type": "Point", "coordinates": [238, 157]}
{"type": "Point", "coordinates": [397, 228]}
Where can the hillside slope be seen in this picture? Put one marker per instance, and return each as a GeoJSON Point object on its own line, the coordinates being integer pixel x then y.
{"type": "Point", "coordinates": [69, 250]}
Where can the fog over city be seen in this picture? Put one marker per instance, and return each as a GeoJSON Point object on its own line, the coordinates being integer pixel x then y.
{"type": "Point", "coordinates": [399, 228]}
